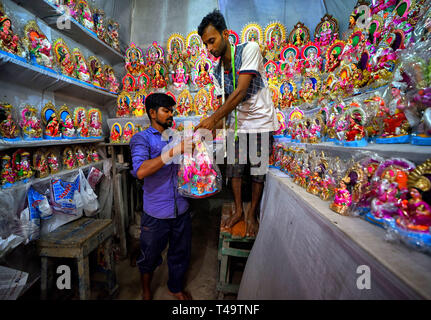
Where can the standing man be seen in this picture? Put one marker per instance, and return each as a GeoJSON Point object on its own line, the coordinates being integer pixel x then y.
{"type": "Point", "coordinates": [166, 216]}
{"type": "Point", "coordinates": [255, 117]}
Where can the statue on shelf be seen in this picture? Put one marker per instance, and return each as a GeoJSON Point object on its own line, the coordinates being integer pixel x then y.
{"type": "Point", "coordinates": [81, 66]}
{"type": "Point", "coordinates": [185, 104]}
{"type": "Point", "coordinates": [38, 45]}
{"type": "Point", "coordinates": [202, 102]}
{"type": "Point", "coordinates": [8, 176]}
{"type": "Point", "coordinates": [155, 55]}
{"type": "Point", "coordinates": [80, 122]}
{"type": "Point", "coordinates": [342, 200]}
{"type": "Point", "coordinates": [98, 17]}
{"type": "Point", "coordinates": [275, 33]}
{"type": "Point", "coordinates": [159, 78]}
{"type": "Point", "coordinates": [326, 31]}
{"type": "Point", "coordinates": [310, 87]}
{"type": "Point", "coordinates": [80, 156]}
{"type": "Point", "coordinates": [30, 124]}
{"type": "Point", "coordinates": [175, 47]}
{"type": "Point", "coordinates": [40, 164]}
{"type": "Point", "coordinates": [134, 60]}
{"type": "Point", "coordinates": [96, 72]}
{"type": "Point", "coordinates": [290, 66]}
{"type": "Point", "coordinates": [272, 73]}
{"type": "Point", "coordinates": [138, 108]}
{"type": "Point", "coordinates": [69, 160]}
{"type": "Point", "coordinates": [288, 92]}
{"type": "Point", "coordinates": [94, 155]}
{"type": "Point", "coordinates": [312, 62]}
{"type": "Point", "coordinates": [21, 165]}
{"type": "Point", "coordinates": [84, 15]}
{"type": "Point", "coordinates": [9, 41]}
{"type": "Point", "coordinates": [8, 128]}
{"type": "Point", "coordinates": [67, 127]}
{"type": "Point", "coordinates": [51, 122]}
{"type": "Point", "coordinates": [180, 77]}
{"type": "Point", "coordinates": [194, 47]}
{"type": "Point", "coordinates": [124, 102]}
{"type": "Point", "coordinates": [333, 54]}
{"type": "Point", "coordinates": [53, 162]}
{"type": "Point", "coordinates": [64, 59]}
{"type": "Point", "coordinates": [95, 117]}
{"type": "Point", "coordinates": [300, 35]}
{"type": "Point", "coordinates": [355, 134]}
{"type": "Point", "coordinates": [128, 131]}
{"type": "Point", "coordinates": [111, 34]}
{"type": "Point", "coordinates": [109, 79]}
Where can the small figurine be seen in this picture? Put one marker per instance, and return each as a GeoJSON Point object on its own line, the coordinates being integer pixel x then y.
{"type": "Point", "coordinates": [282, 123]}
{"type": "Point", "coordinates": [9, 131]}
{"type": "Point", "coordinates": [159, 76]}
{"type": "Point", "coordinates": [21, 165]}
{"type": "Point", "coordinates": [96, 72]}
{"type": "Point", "coordinates": [342, 200]}
{"type": "Point", "coordinates": [80, 156]}
{"type": "Point", "coordinates": [81, 66]}
{"type": "Point", "coordinates": [110, 80]}
{"type": "Point", "coordinates": [53, 161]}
{"type": "Point", "coordinates": [51, 122]}
{"type": "Point", "coordinates": [84, 15]}
{"type": "Point", "coordinates": [202, 102]}
{"type": "Point", "coordinates": [202, 72]}
{"type": "Point", "coordinates": [95, 117]}
{"type": "Point", "coordinates": [128, 131]}
{"type": "Point", "coordinates": [40, 164]}
{"type": "Point", "coordinates": [69, 160]}
{"type": "Point", "coordinates": [30, 124]}
{"type": "Point", "coordinates": [185, 104]}
{"type": "Point", "coordinates": [9, 41]}
{"type": "Point", "coordinates": [116, 133]}
{"type": "Point", "coordinates": [180, 78]}
{"type": "Point", "coordinates": [175, 46]}
{"type": "Point", "coordinates": [64, 58]}
{"type": "Point", "coordinates": [124, 102]}
{"type": "Point", "coordinates": [8, 176]}
{"type": "Point", "coordinates": [135, 64]}
{"type": "Point", "coordinates": [99, 25]}
{"type": "Point", "coordinates": [38, 45]}
{"type": "Point", "coordinates": [312, 62]}
{"type": "Point", "coordinates": [94, 155]}
{"type": "Point", "coordinates": [81, 122]}
{"type": "Point", "coordinates": [67, 127]}
{"type": "Point", "coordinates": [138, 108]}
{"type": "Point", "coordinates": [355, 134]}
{"type": "Point", "coordinates": [111, 35]}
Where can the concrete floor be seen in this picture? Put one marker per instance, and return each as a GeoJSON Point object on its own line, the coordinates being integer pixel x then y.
{"type": "Point", "coordinates": [202, 276]}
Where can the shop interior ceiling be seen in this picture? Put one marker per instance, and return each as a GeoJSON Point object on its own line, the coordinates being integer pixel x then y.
{"type": "Point", "coordinates": [156, 20]}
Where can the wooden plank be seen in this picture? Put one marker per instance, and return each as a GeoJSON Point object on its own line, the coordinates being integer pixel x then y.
{"type": "Point", "coordinates": [74, 234]}
{"type": "Point", "coordinates": [121, 227]}
{"type": "Point", "coordinates": [228, 287]}
{"type": "Point", "coordinates": [84, 278]}
{"type": "Point", "coordinates": [44, 278]}
{"type": "Point", "coordinates": [242, 253]}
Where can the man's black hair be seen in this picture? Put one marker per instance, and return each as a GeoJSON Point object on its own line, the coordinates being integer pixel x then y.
{"type": "Point", "coordinates": [157, 100]}
{"type": "Point", "coordinates": [215, 19]}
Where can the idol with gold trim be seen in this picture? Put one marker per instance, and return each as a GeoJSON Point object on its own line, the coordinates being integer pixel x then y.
{"type": "Point", "coordinates": [134, 57]}
{"type": "Point", "coordinates": [180, 76]}
{"type": "Point", "coordinates": [355, 135]}
{"type": "Point", "coordinates": [116, 133]}
{"type": "Point", "coordinates": [176, 46]}
{"type": "Point", "coordinates": [82, 70]}
{"type": "Point", "coordinates": [290, 66]}
{"type": "Point", "coordinates": [138, 108]}
{"type": "Point", "coordinates": [300, 35]}
{"type": "Point", "coordinates": [40, 164]}
{"type": "Point", "coordinates": [311, 60]}
{"type": "Point", "coordinates": [202, 72]}
{"type": "Point", "coordinates": [287, 94]}
{"type": "Point", "coordinates": [51, 122]}
{"type": "Point", "coordinates": [128, 131]}
{"type": "Point", "coordinates": [252, 32]}
{"type": "Point", "coordinates": [81, 123]}
{"type": "Point", "coordinates": [111, 34]}
{"type": "Point", "coordinates": [124, 104]}
{"type": "Point", "coordinates": [64, 58]}
{"type": "Point", "coordinates": [7, 175]}
{"type": "Point", "coordinates": [99, 24]}
{"type": "Point", "coordinates": [80, 156]}
{"type": "Point", "coordinates": [109, 79]}
{"type": "Point", "coordinates": [185, 104]}
{"type": "Point", "coordinates": [274, 38]}
{"type": "Point", "coordinates": [95, 123]}
{"type": "Point", "coordinates": [30, 123]}
{"type": "Point", "coordinates": [309, 87]}
{"type": "Point", "coordinates": [96, 71]}
{"type": "Point", "coordinates": [38, 45]}
{"type": "Point", "coordinates": [69, 159]}
{"type": "Point", "coordinates": [84, 15]}
{"type": "Point", "coordinates": [67, 126]}
{"type": "Point", "coordinates": [326, 31]}
{"type": "Point", "coordinates": [194, 47]}
{"type": "Point", "coordinates": [272, 73]}
{"type": "Point", "coordinates": [9, 41]}
{"type": "Point", "coordinates": [333, 55]}
{"type": "Point", "coordinates": [21, 164]}
{"type": "Point", "coordinates": [202, 102]}
{"type": "Point", "coordinates": [159, 76]}
{"type": "Point", "coordinates": [9, 130]}
{"type": "Point", "coordinates": [154, 55]}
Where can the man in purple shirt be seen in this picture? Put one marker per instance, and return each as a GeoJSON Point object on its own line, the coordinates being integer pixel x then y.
{"type": "Point", "coordinates": [166, 216]}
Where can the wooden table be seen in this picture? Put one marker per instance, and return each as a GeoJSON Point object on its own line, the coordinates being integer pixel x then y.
{"type": "Point", "coordinates": [76, 240]}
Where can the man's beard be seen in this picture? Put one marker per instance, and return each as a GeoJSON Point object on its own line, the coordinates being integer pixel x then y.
{"type": "Point", "coordinates": [222, 51]}
{"type": "Point", "coordinates": [167, 124]}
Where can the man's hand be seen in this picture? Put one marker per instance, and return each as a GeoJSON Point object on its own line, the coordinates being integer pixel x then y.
{"type": "Point", "coordinates": [186, 145]}
{"type": "Point", "coordinates": [207, 123]}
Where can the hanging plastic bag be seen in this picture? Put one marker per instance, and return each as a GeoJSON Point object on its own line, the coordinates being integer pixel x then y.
{"type": "Point", "coordinates": [89, 198]}
{"type": "Point", "coordinates": [65, 196]}
{"type": "Point", "coordinates": [198, 176]}
{"type": "Point", "coordinates": [94, 177]}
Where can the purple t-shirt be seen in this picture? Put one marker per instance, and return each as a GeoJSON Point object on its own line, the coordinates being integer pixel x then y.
{"type": "Point", "coordinates": [161, 197]}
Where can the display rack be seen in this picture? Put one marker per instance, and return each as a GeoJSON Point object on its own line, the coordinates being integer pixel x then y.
{"type": "Point", "coordinates": [49, 13]}
{"type": "Point", "coordinates": [417, 154]}
{"type": "Point", "coordinates": [40, 78]}
{"type": "Point", "coordinates": [48, 143]}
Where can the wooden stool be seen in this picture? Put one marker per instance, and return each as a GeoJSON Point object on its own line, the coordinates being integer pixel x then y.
{"type": "Point", "coordinates": [226, 250]}
{"type": "Point", "coordinates": [76, 240]}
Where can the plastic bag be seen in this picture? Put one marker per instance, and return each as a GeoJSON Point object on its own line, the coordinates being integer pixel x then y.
{"type": "Point", "coordinates": [89, 198]}
{"type": "Point", "coordinates": [65, 196]}
{"type": "Point", "coordinates": [198, 175]}
{"type": "Point", "coordinates": [94, 177]}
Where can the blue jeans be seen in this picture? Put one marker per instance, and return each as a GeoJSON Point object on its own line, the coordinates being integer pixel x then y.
{"type": "Point", "coordinates": [155, 235]}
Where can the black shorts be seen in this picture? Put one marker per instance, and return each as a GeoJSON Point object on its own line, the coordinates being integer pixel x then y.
{"type": "Point", "coordinates": [248, 156]}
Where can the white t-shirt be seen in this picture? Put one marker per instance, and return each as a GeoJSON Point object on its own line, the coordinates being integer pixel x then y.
{"type": "Point", "coordinates": [256, 112]}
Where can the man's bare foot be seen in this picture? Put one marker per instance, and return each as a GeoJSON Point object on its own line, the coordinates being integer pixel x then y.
{"type": "Point", "coordinates": [251, 227]}
{"type": "Point", "coordinates": [233, 219]}
{"type": "Point", "coordinates": [182, 295]}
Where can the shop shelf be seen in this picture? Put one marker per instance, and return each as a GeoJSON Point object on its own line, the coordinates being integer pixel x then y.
{"type": "Point", "coordinates": [46, 143]}
{"type": "Point", "coordinates": [49, 13]}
